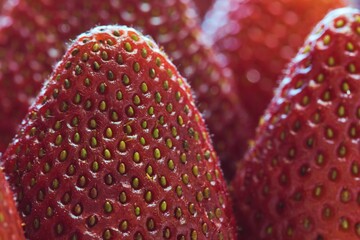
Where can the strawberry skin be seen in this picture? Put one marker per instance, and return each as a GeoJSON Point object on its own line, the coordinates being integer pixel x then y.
{"type": "Point", "coordinates": [114, 148]}
{"type": "Point", "coordinates": [33, 40]}
{"type": "Point", "coordinates": [301, 178]}
{"type": "Point", "coordinates": [257, 38]}
{"type": "Point", "coordinates": [10, 223]}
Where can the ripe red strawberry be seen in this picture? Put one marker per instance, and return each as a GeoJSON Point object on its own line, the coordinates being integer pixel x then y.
{"type": "Point", "coordinates": [257, 38]}
{"type": "Point", "coordinates": [301, 179]}
{"type": "Point", "coordinates": [33, 40]}
{"type": "Point", "coordinates": [10, 224]}
{"type": "Point", "coordinates": [114, 148]}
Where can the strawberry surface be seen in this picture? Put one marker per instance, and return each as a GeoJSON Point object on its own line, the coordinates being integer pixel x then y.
{"type": "Point", "coordinates": [301, 178]}
{"type": "Point", "coordinates": [34, 37]}
{"type": "Point", "coordinates": [114, 148]}
{"type": "Point", "coordinates": [257, 38]}
{"type": "Point", "coordinates": [10, 223]}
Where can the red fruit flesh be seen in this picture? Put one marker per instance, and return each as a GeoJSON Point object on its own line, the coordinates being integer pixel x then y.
{"type": "Point", "coordinates": [257, 38]}
{"type": "Point", "coordinates": [10, 224]}
{"type": "Point", "coordinates": [34, 38]}
{"type": "Point", "coordinates": [114, 148]}
{"type": "Point", "coordinates": [301, 179]}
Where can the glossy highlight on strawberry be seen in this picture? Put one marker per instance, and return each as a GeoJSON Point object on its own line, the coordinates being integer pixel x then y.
{"type": "Point", "coordinates": [114, 148]}
{"type": "Point", "coordinates": [301, 179]}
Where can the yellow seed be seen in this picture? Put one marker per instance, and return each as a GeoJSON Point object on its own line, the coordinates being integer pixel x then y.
{"type": "Point", "coordinates": [128, 47]}
{"type": "Point", "coordinates": [156, 133]}
{"type": "Point", "coordinates": [95, 166]}
{"type": "Point", "coordinates": [350, 47]}
{"type": "Point", "coordinates": [339, 23]}
{"type": "Point", "coordinates": [107, 154]}
{"type": "Point", "coordinates": [144, 87]}
{"type": "Point", "coordinates": [157, 153]}
{"type": "Point", "coordinates": [63, 155]}
{"type": "Point", "coordinates": [148, 196]}
{"type": "Point", "coordinates": [163, 181]}
{"type": "Point", "coordinates": [185, 179]}
{"type": "Point", "coordinates": [331, 61]}
{"type": "Point", "coordinates": [83, 153]}
{"type": "Point", "coordinates": [104, 55]}
{"type": "Point", "coordinates": [320, 78]}
{"type": "Point", "coordinates": [163, 206]}
{"type": "Point", "coordinates": [158, 97]}
{"type": "Point", "coordinates": [152, 73]}
{"type": "Point", "coordinates": [136, 157]}
{"type": "Point", "coordinates": [58, 140]}
{"type": "Point", "coordinates": [171, 164]}
{"type": "Point", "coordinates": [135, 183]}
{"type": "Point", "coordinates": [122, 168]}
{"type": "Point", "coordinates": [108, 133]}
{"type": "Point", "coordinates": [142, 141]}
{"type": "Point", "coordinates": [78, 70]}
{"type": "Point", "coordinates": [327, 39]}
{"type": "Point", "coordinates": [96, 47]}
{"type": "Point", "coordinates": [93, 142]}
{"type": "Point", "coordinates": [96, 66]}
{"type": "Point", "coordinates": [137, 211]}
{"type": "Point", "coordinates": [344, 223]}
{"type": "Point", "coordinates": [102, 106]}
{"type": "Point", "coordinates": [136, 67]}
{"type": "Point", "coordinates": [144, 52]}
{"type": "Point", "coordinates": [108, 207]}
{"type": "Point", "coordinates": [124, 226]}
{"type": "Point", "coordinates": [180, 120]}
{"type": "Point", "coordinates": [341, 111]}
{"type": "Point", "coordinates": [158, 61]}
{"type": "Point", "coordinates": [126, 80]}
{"type": "Point", "coordinates": [195, 171]}
{"type": "Point", "coordinates": [136, 100]}
{"type": "Point", "coordinates": [119, 95]}
{"type": "Point", "coordinates": [352, 68]}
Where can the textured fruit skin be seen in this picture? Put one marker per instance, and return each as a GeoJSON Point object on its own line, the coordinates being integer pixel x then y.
{"type": "Point", "coordinates": [257, 38]}
{"type": "Point", "coordinates": [301, 178]}
{"type": "Point", "coordinates": [33, 40]}
{"type": "Point", "coordinates": [10, 223]}
{"type": "Point", "coordinates": [115, 136]}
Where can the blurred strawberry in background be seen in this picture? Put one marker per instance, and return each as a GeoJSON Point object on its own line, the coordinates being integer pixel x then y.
{"type": "Point", "coordinates": [256, 39]}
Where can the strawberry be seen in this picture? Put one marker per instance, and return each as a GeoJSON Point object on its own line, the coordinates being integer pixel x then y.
{"type": "Point", "coordinates": [301, 178]}
{"type": "Point", "coordinates": [257, 38]}
{"type": "Point", "coordinates": [10, 224]}
{"type": "Point", "coordinates": [202, 7]}
{"type": "Point", "coordinates": [114, 148]}
{"type": "Point", "coordinates": [33, 37]}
